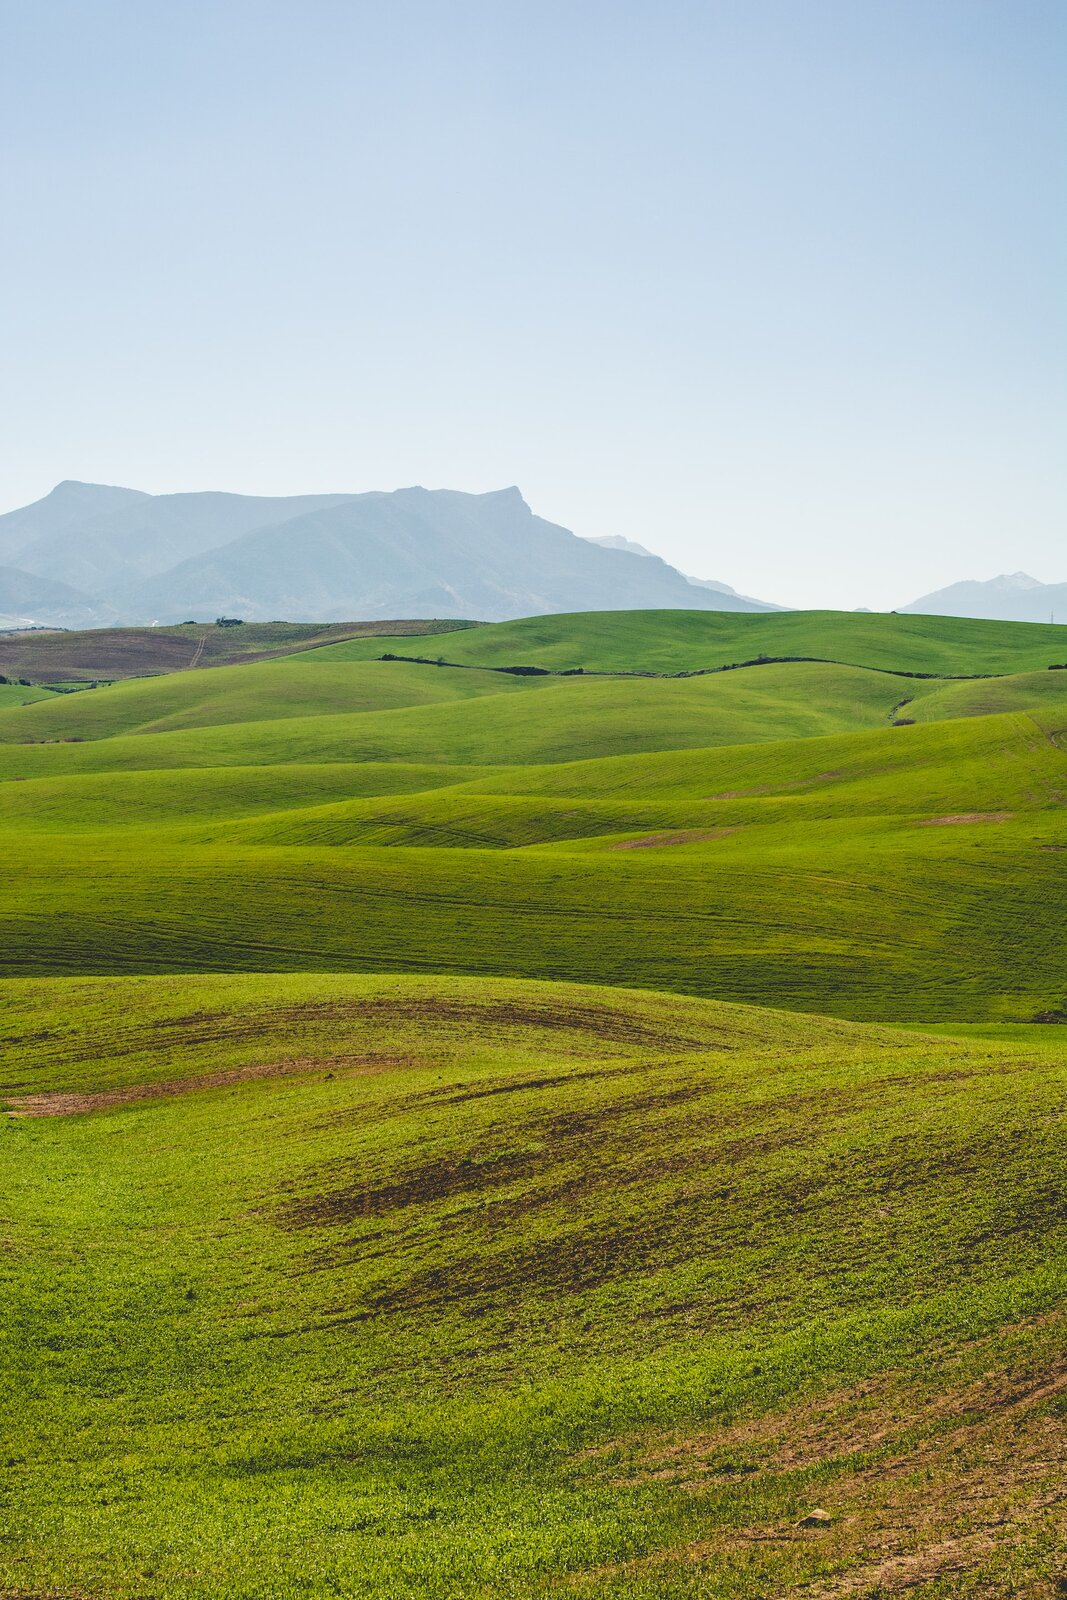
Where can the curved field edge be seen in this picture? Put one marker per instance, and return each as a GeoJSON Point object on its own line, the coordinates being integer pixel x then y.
{"type": "Point", "coordinates": [439, 1287]}
{"type": "Point", "coordinates": [686, 641]}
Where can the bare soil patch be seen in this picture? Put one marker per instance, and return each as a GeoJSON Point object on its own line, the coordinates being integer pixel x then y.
{"type": "Point", "coordinates": [111, 653]}
{"type": "Point", "coordinates": [965, 816]}
{"type": "Point", "coordinates": [603, 1022]}
{"type": "Point", "coordinates": [777, 788]}
{"type": "Point", "coordinates": [65, 1103]}
{"type": "Point", "coordinates": [739, 794]}
{"type": "Point", "coordinates": [950, 1475]}
{"type": "Point", "coordinates": [655, 841]}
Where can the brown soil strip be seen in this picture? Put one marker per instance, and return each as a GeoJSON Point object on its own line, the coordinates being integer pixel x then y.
{"type": "Point", "coordinates": [949, 1475]}
{"type": "Point", "coordinates": [739, 794]}
{"type": "Point", "coordinates": [863, 1419]}
{"type": "Point", "coordinates": [583, 1017]}
{"type": "Point", "coordinates": [966, 816]}
{"type": "Point", "coordinates": [904, 1571]}
{"type": "Point", "coordinates": [65, 1103]}
{"type": "Point", "coordinates": [654, 841]}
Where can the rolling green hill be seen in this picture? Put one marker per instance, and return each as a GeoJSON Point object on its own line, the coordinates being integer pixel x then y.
{"type": "Point", "coordinates": [19, 694]}
{"type": "Point", "coordinates": [686, 641]}
{"type": "Point", "coordinates": [462, 1139]}
{"type": "Point", "coordinates": [448, 1288]}
{"type": "Point", "coordinates": [260, 692]}
{"type": "Point", "coordinates": [379, 710]}
{"type": "Point", "coordinates": [898, 873]}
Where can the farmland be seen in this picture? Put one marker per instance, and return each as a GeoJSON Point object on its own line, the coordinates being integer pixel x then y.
{"type": "Point", "coordinates": [45, 654]}
{"type": "Point", "coordinates": [475, 1133]}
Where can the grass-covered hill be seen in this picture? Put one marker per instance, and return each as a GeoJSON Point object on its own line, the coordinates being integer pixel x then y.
{"type": "Point", "coordinates": [462, 1140]}
{"type": "Point", "coordinates": [395, 1287]}
{"type": "Point", "coordinates": [687, 641]}
{"type": "Point", "coordinates": [767, 835]}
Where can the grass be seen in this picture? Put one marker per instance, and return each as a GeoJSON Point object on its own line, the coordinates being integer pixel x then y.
{"type": "Point", "coordinates": [685, 641]}
{"type": "Point", "coordinates": [474, 1135]}
{"type": "Point", "coordinates": [988, 697]}
{"type": "Point", "coordinates": [20, 694]}
{"type": "Point", "coordinates": [893, 874]}
{"type": "Point", "coordinates": [264, 691]}
{"type": "Point", "coordinates": [441, 1288]}
{"type": "Point", "coordinates": [372, 710]}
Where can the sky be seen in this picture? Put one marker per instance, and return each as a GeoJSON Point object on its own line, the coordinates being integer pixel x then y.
{"type": "Point", "coordinates": [773, 287]}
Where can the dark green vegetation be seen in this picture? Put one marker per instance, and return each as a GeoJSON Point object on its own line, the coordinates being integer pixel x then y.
{"type": "Point", "coordinates": [393, 1207]}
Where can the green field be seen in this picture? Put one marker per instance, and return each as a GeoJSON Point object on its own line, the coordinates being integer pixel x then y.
{"type": "Point", "coordinates": [20, 694]}
{"type": "Point", "coordinates": [510, 1136]}
{"type": "Point", "coordinates": [688, 641]}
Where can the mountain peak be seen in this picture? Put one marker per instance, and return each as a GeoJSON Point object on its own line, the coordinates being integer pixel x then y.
{"type": "Point", "coordinates": [76, 486]}
{"type": "Point", "coordinates": [1011, 597]}
{"type": "Point", "coordinates": [1017, 580]}
{"type": "Point", "coordinates": [512, 496]}
{"type": "Point", "coordinates": [415, 552]}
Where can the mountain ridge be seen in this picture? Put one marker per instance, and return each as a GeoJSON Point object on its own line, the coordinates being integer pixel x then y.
{"type": "Point", "coordinates": [132, 558]}
{"type": "Point", "coordinates": [1009, 597]}
{"type": "Point", "coordinates": [615, 541]}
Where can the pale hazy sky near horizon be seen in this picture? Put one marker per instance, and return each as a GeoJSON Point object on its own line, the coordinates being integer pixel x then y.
{"type": "Point", "coordinates": [774, 287]}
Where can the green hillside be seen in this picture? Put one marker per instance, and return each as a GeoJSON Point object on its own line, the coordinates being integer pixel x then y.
{"type": "Point", "coordinates": [475, 1135]}
{"type": "Point", "coordinates": [447, 1288]}
{"type": "Point", "coordinates": [685, 641]}
{"type": "Point", "coordinates": [987, 697]}
{"type": "Point", "coordinates": [378, 710]}
{"type": "Point", "coordinates": [19, 694]}
{"type": "Point", "coordinates": [893, 873]}
{"type": "Point", "coordinates": [259, 692]}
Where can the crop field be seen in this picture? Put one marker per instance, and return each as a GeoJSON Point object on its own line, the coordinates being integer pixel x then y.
{"type": "Point", "coordinates": [44, 655]}
{"type": "Point", "coordinates": [485, 1135]}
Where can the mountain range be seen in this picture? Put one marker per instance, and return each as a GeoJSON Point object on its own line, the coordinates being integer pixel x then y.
{"type": "Point", "coordinates": [95, 555]}
{"type": "Point", "coordinates": [1013, 597]}
{"type": "Point", "coordinates": [615, 541]}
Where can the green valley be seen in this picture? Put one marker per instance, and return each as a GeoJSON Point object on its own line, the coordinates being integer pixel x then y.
{"type": "Point", "coordinates": [594, 1133]}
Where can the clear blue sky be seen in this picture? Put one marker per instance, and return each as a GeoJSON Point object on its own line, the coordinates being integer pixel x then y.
{"type": "Point", "coordinates": [775, 287]}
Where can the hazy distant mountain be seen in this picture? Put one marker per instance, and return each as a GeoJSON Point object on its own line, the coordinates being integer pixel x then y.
{"type": "Point", "coordinates": [411, 553]}
{"type": "Point", "coordinates": [1013, 597]}
{"type": "Point", "coordinates": [26, 598]}
{"type": "Point", "coordinates": [102, 539]}
{"type": "Point", "coordinates": [615, 541]}
{"type": "Point", "coordinates": [69, 508]}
